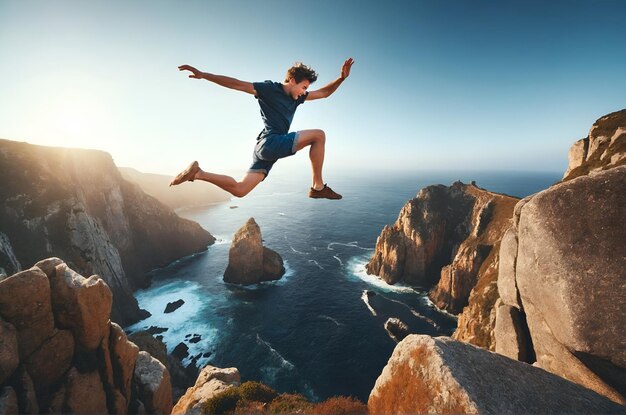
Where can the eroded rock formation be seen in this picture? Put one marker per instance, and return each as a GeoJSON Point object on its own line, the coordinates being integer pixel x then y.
{"type": "Point", "coordinates": [566, 275]}
{"type": "Point", "coordinates": [428, 375]}
{"type": "Point", "coordinates": [210, 382]}
{"type": "Point", "coordinates": [448, 236]}
{"type": "Point", "coordinates": [60, 353]}
{"type": "Point", "coordinates": [74, 204]}
{"type": "Point", "coordinates": [249, 262]}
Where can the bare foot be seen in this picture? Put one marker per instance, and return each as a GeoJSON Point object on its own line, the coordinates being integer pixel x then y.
{"type": "Point", "coordinates": [187, 175]}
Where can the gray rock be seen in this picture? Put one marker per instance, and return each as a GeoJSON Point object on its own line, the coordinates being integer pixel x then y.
{"type": "Point", "coordinates": [506, 271]}
{"type": "Point", "coordinates": [570, 268]}
{"type": "Point", "coordinates": [512, 339]}
{"type": "Point", "coordinates": [439, 375]}
{"type": "Point", "coordinates": [153, 383]}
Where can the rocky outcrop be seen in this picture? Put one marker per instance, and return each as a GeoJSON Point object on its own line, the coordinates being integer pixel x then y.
{"type": "Point", "coordinates": [249, 262]}
{"type": "Point", "coordinates": [210, 382]}
{"type": "Point", "coordinates": [74, 204]}
{"type": "Point", "coordinates": [60, 353]}
{"type": "Point", "coordinates": [438, 375]}
{"type": "Point", "coordinates": [446, 235]}
{"type": "Point", "coordinates": [396, 329]}
{"type": "Point", "coordinates": [175, 197]}
{"type": "Point", "coordinates": [602, 149]}
{"type": "Point", "coordinates": [566, 256]}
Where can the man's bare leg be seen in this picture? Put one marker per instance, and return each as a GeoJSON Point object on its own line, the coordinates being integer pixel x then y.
{"type": "Point", "coordinates": [235, 188]}
{"type": "Point", "coordinates": [317, 140]}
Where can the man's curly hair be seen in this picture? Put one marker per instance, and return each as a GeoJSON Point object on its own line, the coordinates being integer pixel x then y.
{"type": "Point", "coordinates": [299, 72]}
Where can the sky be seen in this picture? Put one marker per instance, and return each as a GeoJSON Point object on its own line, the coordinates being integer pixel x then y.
{"type": "Point", "coordinates": [436, 85]}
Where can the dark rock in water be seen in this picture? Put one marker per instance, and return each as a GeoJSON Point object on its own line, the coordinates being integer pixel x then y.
{"type": "Point", "coordinates": [370, 293]}
{"type": "Point", "coordinates": [207, 354]}
{"type": "Point", "coordinates": [181, 351]}
{"type": "Point", "coordinates": [173, 306]}
{"type": "Point", "coordinates": [156, 330]}
{"type": "Point", "coordinates": [159, 337]}
{"type": "Point", "coordinates": [187, 336]}
{"type": "Point", "coordinates": [397, 329]}
{"type": "Point", "coordinates": [249, 262]}
{"type": "Point", "coordinates": [195, 339]}
{"type": "Point", "coordinates": [234, 207]}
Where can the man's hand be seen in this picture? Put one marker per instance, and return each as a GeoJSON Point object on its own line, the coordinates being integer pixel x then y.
{"type": "Point", "coordinates": [196, 74]}
{"type": "Point", "coordinates": [345, 69]}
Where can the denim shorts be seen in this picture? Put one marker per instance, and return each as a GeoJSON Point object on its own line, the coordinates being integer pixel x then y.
{"type": "Point", "coordinates": [270, 148]}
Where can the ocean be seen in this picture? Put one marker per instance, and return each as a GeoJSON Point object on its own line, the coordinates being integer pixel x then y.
{"type": "Point", "coordinates": [315, 331]}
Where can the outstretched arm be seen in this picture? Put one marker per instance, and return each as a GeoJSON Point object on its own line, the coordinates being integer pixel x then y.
{"type": "Point", "coordinates": [224, 81]}
{"type": "Point", "coordinates": [327, 91]}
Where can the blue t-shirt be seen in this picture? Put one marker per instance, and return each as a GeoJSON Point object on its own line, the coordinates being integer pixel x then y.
{"type": "Point", "coordinates": [277, 107]}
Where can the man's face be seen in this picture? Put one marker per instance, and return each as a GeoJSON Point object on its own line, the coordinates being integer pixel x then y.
{"type": "Point", "coordinates": [298, 89]}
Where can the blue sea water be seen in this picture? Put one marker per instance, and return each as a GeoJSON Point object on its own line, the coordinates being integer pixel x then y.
{"type": "Point", "coordinates": [314, 331]}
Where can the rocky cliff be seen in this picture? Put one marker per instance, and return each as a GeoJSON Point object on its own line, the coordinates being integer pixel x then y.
{"type": "Point", "coordinates": [185, 195]}
{"type": "Point", "coordinates": [74, 204]}
{"type": "Point", "coordinates": [448, 236]}
{"type": "Point", "coordinates": [603, 148]}
{"type": "Point", "coordinates": [428, 375]}
{"type": "Point", "coordinates": [249, 262]}
{"type": "Point", "coordinates": [60, 353]}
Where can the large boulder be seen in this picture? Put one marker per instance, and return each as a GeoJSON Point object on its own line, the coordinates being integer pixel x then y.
{"type": "Point", "coordinates": [153, 383]}
{"type": "Point", "coordinates": [567, 271]}
{"type": "Point", "coordinates": [25, 303]}
{"type": "Point", "coordinates": [82, 305]}
{"type": "Point", "coordinates": [210, 382]}
{"type": "Point", "coordinates": [249, 262]}
{"type": "Point", "coordinates": [439, 375]}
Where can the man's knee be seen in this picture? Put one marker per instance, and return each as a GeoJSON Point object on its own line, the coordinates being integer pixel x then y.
{"type": "Point", "coordinates": [320, 136]}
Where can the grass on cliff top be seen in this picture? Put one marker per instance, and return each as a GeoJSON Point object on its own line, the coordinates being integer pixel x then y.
{"type": "Point", "coordinates": [254, 397]}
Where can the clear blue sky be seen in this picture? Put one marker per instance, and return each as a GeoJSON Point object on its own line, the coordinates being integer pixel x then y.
{"type": "Point", "coordinates": [436, 85]}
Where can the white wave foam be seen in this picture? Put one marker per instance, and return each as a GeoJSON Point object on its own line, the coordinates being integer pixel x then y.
{"type": "Point", "coordinates": [413, 311]}
{"type": "Point", "coordinates": [338, 259]}
{"type": "Point", "coordinates": [222, 240]}
{"type": "Point", "coordinates": [298, 252]}
{"type": "Point", "coordinates": [366, 300]}
{"type": "Point", "coordinates": [353, 244]}
{"type": "Point", "coordinates": [286, 364]}
{"type": "Point", "coordinates": [330, 319]}
{"type": "Point", "coordinates": [356, 266]}
{"type": "Point", "coordinates": [281, 214]}
{"type": "Point", "coordinates": [316, 263]}
{"type": "Point", "coordinates": [430, 304]}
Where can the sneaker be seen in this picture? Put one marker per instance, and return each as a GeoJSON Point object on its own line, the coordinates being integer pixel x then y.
{"type": "Point", "coordinates": [325, 193]}
{"type": "Point", "coordinates": [186, 175]}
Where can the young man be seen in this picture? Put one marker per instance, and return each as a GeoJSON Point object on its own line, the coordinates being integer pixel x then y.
{"type": "Point", "coordinates": [278, 102]}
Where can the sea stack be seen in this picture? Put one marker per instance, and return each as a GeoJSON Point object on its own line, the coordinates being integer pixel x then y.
{"type": "Point", "coordinates": [249, 262]}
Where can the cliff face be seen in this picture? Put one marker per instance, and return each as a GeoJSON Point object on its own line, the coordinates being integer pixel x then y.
{"type": "Point", "coordinates": [74, 204]}
{"type": "Point", "coordinates": [60, 353]}
{"type": "Point", "coordinates": [445, 235]}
